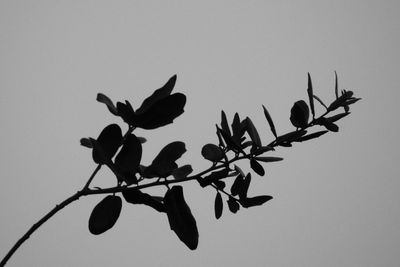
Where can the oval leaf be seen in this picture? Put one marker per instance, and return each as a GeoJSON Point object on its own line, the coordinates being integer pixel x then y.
{"type": "Point", "coordinates": [212, 152]}
{"type": "Point", "coordinates": [257, 167]}
{"type": "Point", "coordinates": [161, 113]}
{"type": "Point", "coordinates": [299, 114]}
{"type": "Point", "coordinates": [251, 129]}
{"type": "Point", "coordinates": [105, 214]}
{"type": "Point", "coordinates": [157, 95]}
{"type": "Point", "coordinates": [268, 159]}
{"type": "Point", "coordinates": [233, 205]}
{"type": "Point", "coordinates": [135, 196]}
{"type": "Point", "coordinates": [180, 217]}
{"type": "Point", "coordinates": [182, 172]}
{"type": "Point", "coordinates": [255, 201]}
{"type": "Point", "coordinates": [128, 159]}
{"type": "Point", "coordinates": [108, 142]}
{"type": "Point", "coordinates": [218, 206]}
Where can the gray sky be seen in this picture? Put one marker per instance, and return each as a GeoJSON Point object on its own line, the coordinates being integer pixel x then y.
{"type": "Point", "coordinates": [335, 198]}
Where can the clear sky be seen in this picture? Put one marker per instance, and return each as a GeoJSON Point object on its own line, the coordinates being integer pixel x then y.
{"type": "Point", "coordinates": [336, 199]}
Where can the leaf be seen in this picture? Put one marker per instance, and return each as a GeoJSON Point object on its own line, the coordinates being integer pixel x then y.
{"type": "Point", "coordinates": [105, 214]}
{"type": "Point", "coordinates": [251, 129]}
{"type": "Point", "coordinates": [164, 162]}
{"type": "Point", "coordinates": [180, 217]}
{"type": "Point", "coordinates": [311, 136]}
{"type": "Point", "coordinates": [107, 101]}
{"type": "Point", "coordinates": [311, 95]}
{"type": "Point", "coordinates": [239, 170]}
{"type": "Point", "coordinates": [257, 168]}
{"type": "Point", "coordinates": [255, 201]}
{"type": "Point", "coordinates": [270, 121]}
{"type": "Point", "coordinates": [161, 113]}
{"type": "Point", "coordinates": [237, 185]}
{"type": "Point", "coordinates": [157, 95]}
{"type": "Point", "coordinates": [233, 205]}
{"type": "Point", "coordinates": [86, 142]}
{"type": "Point", "coordinates": [107, 144]}
{"type": "Point", "coordinates": [135, 196]}
{"type": "Point", "coordinates": [245, 186]}
{"type": "Point", "coordinates": [220, 184]}
{"type": "Point", "coordinates": [336, 86]}
{"type": "Point", "coordinates": [237, 128]}
{"type": "Point", "coordinates": [299, 114]}
{"type": "Point", "coordinates": [268, 159]}
{"type": "Point", "coordinates": [218, 206]}
{"type": "Point", "coordinates": [337, 116]}
{"type": "Point", "coordinates": [290, 137]}
{"type": "Point", "coordinates": [327, 124]}
{"type": "Point", "coordinates": [230, 143]}
{"type": "Point", "coordinates": [182, 172]}
{"type": "Point", "coordinates": [220, 138]}
{"type": "Point", "coordinates": [212, 152]}
{"type": "Point", "coordinates": [128, 159]}
{"type": "Point", "coordinates": [213, 177]}
{"type": "Point", "coordinates": [126, 112]}
{"type": "Point", "coordinates": [224, 123]}
{"type": "Point", "coordinates": [262, 150]}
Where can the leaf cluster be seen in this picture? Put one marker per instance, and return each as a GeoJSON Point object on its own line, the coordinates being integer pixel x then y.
{"type": "Point", "coordinates": [237, 140]}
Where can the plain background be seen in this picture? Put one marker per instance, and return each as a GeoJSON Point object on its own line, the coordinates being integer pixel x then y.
{"type": "Point", "coordinates": [335, 198]}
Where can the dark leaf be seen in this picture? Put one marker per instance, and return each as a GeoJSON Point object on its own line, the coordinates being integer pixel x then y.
{"type": "Point", "coordinates": [213, 177]}
{"type": "Point", "coordinates": [341, 101]}
{"type": "Point", "coordinates": [237, 185]}
{"type": "Point", "coordinates": [320, 101]}
{"type": "Point", "coordinates": [107, 144]}
{"type": "Point", "coordinates": [126, 112]}
{"type": "Point", "coordinates": [86, 142]}
{"type": "Point", "coordinates": [164, 163]}
{"type": "Point", "coordinates": [327, 124]}
{"type": "Point", "coordinates": [157, 95]}
{"type": "Point", "coordinates": [220, 185]}
{"type": "Point", "coordinates": [257, 168]}
{"type": "Point", "coordinates": [251, 129]}
{"type": "Point", "coordinates": [220, 138]}
{"type": "Point", "coordinates": [180, 217]}
{"type": "Point", "coordinates": [128, 159]}
{"type": "Point", "coordinates": [237, 129]}
{"type": "Point", "coordinates": [255, 201]}
{"type": "Point", "coordinates": [135, 196]}
{"type": "Point", "coordinates": [233, 205]}
{"type": "Point", "coordinates": [182, 172]}
{"type": "Point", "coordinates": [336, 86]}
{"type": "Point", "coordinates": [290, 137]}
{"type": "Point", "coordinates": [239, 170]}
{"type": "Point", "coordinates": [311, 136]}
{"type": "Point", "coordinates": [262, 150]}
{"type": "Point", "coordinates": [245, 187]}
{"type": "Point", "coordinates": [311, 95]}
{"type": "Point", "coordinates": [337, 116]}
{"type": "Point", "coordinates": [107, 101]}
{"type": "Point", "coordinates": [230, 143]}
{"type": "Point", "coordinates": [218, 206]}
{"type": "Point", "coordinates": [268, 159]}
{"type": "Point", "coordinates": [161, 113]}
{"type": "Point", "coordinates": [224, 123]}
{"type": "Point", "coordinates": [105, 214]}
{"type": "Point", "coordinates": [299, 114]}
{"type": "Point", "coordinates": [212, 152]}
{"type": "Point", "coordinates": [270, 121]}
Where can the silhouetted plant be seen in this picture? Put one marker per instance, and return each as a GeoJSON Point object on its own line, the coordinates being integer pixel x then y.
{"type": "Point", "coordinates": [237, 141]}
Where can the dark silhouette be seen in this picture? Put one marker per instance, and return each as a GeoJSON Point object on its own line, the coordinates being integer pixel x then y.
{"type": "Point", "coordinates": [123, 154]}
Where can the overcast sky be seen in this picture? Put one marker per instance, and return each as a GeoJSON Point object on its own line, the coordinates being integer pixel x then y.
{"type": "Point", "coordinates": [336, 199]}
